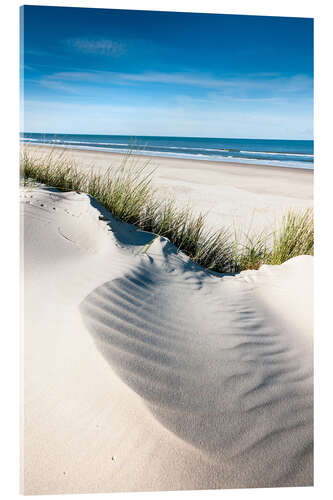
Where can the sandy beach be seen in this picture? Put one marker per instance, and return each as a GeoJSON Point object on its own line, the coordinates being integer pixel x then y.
{"type": "Point", "coordinates": [145, 372]}
{"type": "Point", "coordinates": [245, 196]}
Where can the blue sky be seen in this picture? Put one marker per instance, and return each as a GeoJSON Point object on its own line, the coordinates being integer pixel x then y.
{"type": "Point", "coordinates": [157, 73]}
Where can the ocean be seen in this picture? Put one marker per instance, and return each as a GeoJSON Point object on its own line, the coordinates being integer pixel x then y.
{"type": "Point", "coordinates": [282, 153]}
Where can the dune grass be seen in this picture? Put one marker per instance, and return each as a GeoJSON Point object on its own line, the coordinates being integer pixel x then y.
{"type": "Point", "coordinates": [128, 193]}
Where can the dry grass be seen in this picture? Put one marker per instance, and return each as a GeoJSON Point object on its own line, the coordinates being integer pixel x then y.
{"type": "Point", "coordinates": [129, 194]}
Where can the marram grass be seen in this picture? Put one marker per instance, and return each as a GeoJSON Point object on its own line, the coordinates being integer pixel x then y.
{"type": "Point", "coordinates": [128, 193]}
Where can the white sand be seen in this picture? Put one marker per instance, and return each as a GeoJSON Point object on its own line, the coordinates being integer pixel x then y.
{"type": "Point", "coordinates": [144, 372]}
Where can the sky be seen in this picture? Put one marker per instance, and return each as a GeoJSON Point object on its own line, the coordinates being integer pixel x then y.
{"type": "Point", "coordinates": [105, 71]}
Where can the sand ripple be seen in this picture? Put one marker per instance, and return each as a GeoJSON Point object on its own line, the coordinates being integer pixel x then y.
{"type": "Point", "coordinates": [212, 367]}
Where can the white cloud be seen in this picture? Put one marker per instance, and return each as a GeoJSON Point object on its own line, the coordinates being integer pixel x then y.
{"type": "Point", "coordinates": [254, 82]}
{"type": "Point", "coordinates": [105, 47]}
{"type": "Point", "coordinates": [60, 85]}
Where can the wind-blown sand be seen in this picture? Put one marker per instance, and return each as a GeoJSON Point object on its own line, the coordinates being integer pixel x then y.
{"type": "Point", "coordinates": [142, 371]}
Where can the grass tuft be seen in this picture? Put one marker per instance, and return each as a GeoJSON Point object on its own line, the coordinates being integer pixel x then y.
{"type": "Point", "coordinates": [128, 193]}
{"type": "Point", "coordinates": [295, 237]}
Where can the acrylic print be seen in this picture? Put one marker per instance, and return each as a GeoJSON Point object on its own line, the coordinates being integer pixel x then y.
{"type": "Point", "coordinates": [167, 243]}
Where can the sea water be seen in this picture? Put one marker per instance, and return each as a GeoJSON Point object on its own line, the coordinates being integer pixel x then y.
{"type": "Point", "coordinates": [283, 153]}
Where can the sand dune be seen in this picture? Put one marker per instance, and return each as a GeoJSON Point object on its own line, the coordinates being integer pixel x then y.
{"type": "Point", "coordinates": [145, 372]}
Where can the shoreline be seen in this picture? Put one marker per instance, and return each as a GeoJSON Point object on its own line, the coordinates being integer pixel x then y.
{"type": "Point", "coordinates": [167, 158]}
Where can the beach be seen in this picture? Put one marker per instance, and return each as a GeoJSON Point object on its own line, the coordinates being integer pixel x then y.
{"type": "Point", "coordinates": [249, 197]}
{"type": "Point", "coordinates": [146, 372]}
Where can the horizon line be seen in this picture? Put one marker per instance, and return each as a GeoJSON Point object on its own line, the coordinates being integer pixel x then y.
{"type": "Point", "coordinates": [170, 136]}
